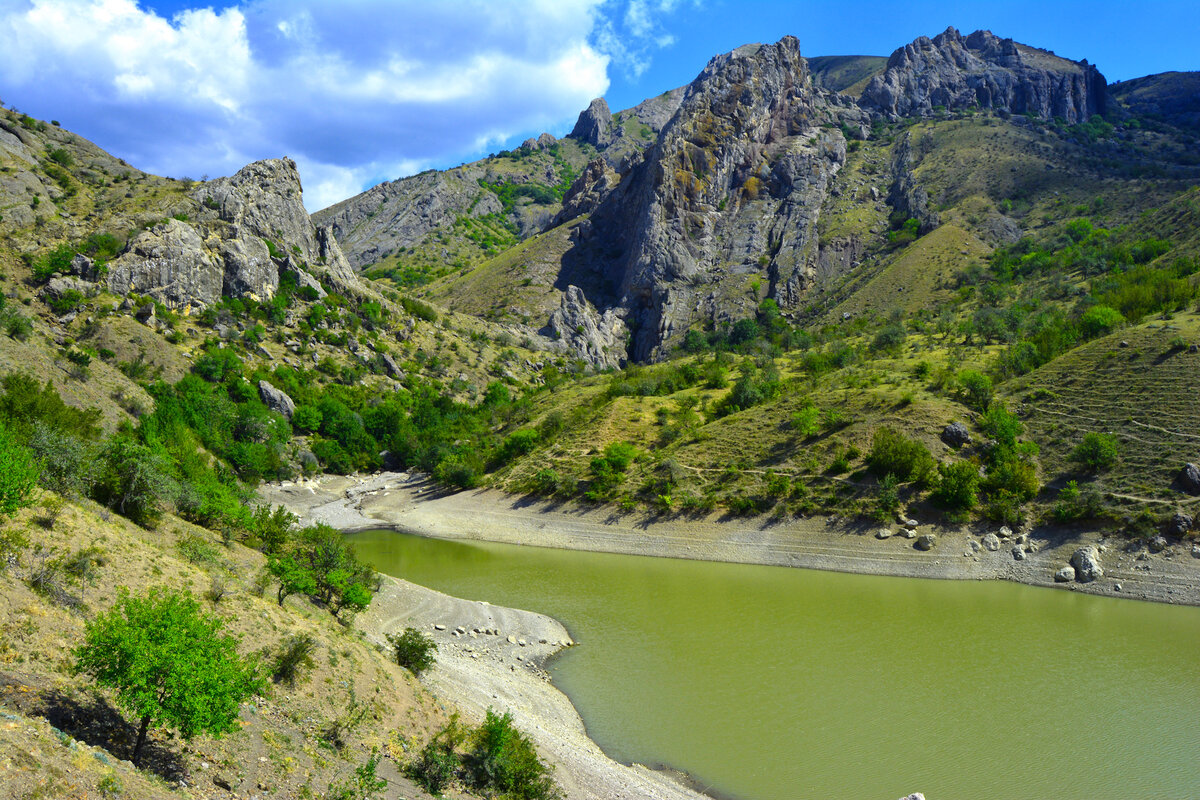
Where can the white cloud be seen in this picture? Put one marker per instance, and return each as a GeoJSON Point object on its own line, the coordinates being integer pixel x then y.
{"type": "Point", "coordinates": [631, 38]}
{"type": "Point", "coordinates": [354, 92]}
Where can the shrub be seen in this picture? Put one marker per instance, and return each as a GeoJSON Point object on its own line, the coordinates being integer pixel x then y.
{"type": "Point", "coordinates": [1099, 320]}
{"type": "Point", "coordinates": [295, 656]}
{"type": "Point", "coordinates": [18, 475]}
{"type": "Point", "coordinates": [1096, 453]}
{"type": "Point", "coordinates": [957, 486]}
{"type": "Point", "coordinates": [894, 453]}
{"type": "Point", "coordinates": [975, 389]}
{"type": "Point", "coordinates": [413, 650]}
{"type": "Point", "coordinates": [505, 761]}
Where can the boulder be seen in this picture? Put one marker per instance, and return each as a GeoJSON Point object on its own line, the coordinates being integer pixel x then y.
{"type": "Point", "coordinates": [1065, 575]}
{"type": "Point", "coordinates": [1086, 561]}
{"type": "Point", "coordinates": [1189, 478]}
{"type": "Point", "coordinates": [991, 541]}
{"type": "Point", "coordinates": [883, 533]}
{"type": "Point", "coordinates": [956, 434]}
{"type": "Point", "coordinates": [1018, 552]}
{"type": "Point", "coordinates": [1157, 544]}
{"type": "Point", "coordinates": [1180, 524]}
{"type": "Point", "coordinates": [926, 541]}
{"type": "Point", "coordinates": [276, 399]}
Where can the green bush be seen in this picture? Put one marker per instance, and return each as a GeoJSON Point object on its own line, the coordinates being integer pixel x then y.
{"type": "Point", "coordinates": [1100, 320]}
{"type": "Point", "coordinates": [18, 475]}
{"type": "Point", "coordinates": [975, 389]}
{"type": "Point", "coordinates": [894, 453]}
{"type": "Point", "coordinates": [1096, 453]}
{"type": "Point", "coordinates": [503, 760]}
{"type": "Point", "coordinates": [957, 486]}
{"type": "Point", "coordinates": [413, 650]}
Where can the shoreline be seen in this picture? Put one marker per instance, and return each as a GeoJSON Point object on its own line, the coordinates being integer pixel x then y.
{"type": "Point", "coordinates": [411, 504]}
{"type": "Point", "coordinates": [478, 667]}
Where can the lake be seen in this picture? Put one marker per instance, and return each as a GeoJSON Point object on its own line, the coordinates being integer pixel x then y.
{"type": "Point", "coordinates": [772, 683]}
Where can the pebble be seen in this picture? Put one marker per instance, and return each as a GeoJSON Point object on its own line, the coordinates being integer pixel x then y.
{"type": "Point", "coordinates": [439, 627]}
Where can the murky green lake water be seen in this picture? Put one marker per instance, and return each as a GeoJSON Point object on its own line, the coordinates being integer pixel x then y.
{"type": "Point", "coordinates": [769, 683]}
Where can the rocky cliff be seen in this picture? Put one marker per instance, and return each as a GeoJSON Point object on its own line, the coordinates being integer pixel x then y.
{"type": "Point", "coordinates": [957, 72]}
{"type": "Point", "coordinates": [722, 211]}
{"type": "Point", "coordinates": [248, 229]}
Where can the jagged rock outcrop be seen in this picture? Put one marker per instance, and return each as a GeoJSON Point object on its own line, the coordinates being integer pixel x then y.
{"type": "Point", "coordinates": [263, 200]}
{"type": "Point", "coordinates": [594, 125]}
{"type": "Point", "coordinates": [252, 227]}
{"type": "Point", "coordinates": [598, 339]}
{"type": "Point", "coordinates": [728, 196]}
{"type": "Point", "coordinates": [906, 196]}
{"type": "Point", "coordinates": [170, 263]}
{"type": "Point", "coordinates": [589, 190]}
{"type": "Point", "coordinates": [958, 72]}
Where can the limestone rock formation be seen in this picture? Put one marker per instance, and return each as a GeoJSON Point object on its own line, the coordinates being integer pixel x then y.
{"type": "Point", "coordinates": [263, 200]}
{"type": "Point", "coordinates": [587, 192]}
{"type": "Point", "coordinates": [251, 227]}
{"type": "Point", "coordinates": [957, 72]}
{"type": "Point", "coordinates": [170, 263]}
{"type": "Point", "coordinates": [594, 125]}
{"type": "Point", "coordinates": [598, 339]}
{"type": "Point", "coordinates": [728, 195]}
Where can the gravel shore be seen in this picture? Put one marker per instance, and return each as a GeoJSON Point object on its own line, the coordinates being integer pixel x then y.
{"type": "Point", "coordinates": [477, 668]}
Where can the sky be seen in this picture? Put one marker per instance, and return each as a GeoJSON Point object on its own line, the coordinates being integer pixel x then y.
{"type": "Point", "coordinates": [361, 91]}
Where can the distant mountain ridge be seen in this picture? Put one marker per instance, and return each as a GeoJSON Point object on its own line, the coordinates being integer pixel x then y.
{"type": "Point", "coordinates": [695, 196]}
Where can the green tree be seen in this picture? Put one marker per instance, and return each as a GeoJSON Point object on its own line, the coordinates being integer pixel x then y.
{"type": "Point", "coordinates": [18, 475]}
{"type": "Point", "coordinates": [169, 664]}
{"type": "Point", "coordinates": [976, 389]}
{"type": "Point", "coordinates": [294, 577]}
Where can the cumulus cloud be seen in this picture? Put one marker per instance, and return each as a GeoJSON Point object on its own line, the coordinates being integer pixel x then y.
{"type": "Point", "coordinates": [631, 37]}
{"type": "Point", "coordinates": [355, 92]}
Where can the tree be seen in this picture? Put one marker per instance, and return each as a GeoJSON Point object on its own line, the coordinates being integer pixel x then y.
{"type": "Point", "coordinates": [294, 577]}
{"type": "Point", "coordinates": [169, 664]}
{"type": "Point", "coordinates": [18, 475]}
{"type": "Point", "coordinates": [957, 486]}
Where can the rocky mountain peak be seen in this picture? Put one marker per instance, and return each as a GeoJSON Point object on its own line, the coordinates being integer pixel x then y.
{"type": "Point", "coordinates": [594, 125]}
{"type": "Point", "coordinates": [730, 190]}
{"type": "Point", "coordinates": [957, 72]}
{"type": "Point", "coordinates": [264, 199]}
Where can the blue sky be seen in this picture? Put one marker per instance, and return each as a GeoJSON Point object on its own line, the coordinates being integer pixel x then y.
{"type": "Point", "coordinates": [360, 91]}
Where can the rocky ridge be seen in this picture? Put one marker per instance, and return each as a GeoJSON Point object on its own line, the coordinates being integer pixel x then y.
{"type": "Point", "coordinates": [957, 72]}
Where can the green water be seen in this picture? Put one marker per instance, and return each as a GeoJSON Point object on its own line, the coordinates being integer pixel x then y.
{"type": "Point", "coordinates": [773, 683]}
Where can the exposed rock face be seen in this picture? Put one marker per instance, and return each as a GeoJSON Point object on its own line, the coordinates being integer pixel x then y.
{"type": "Point", "coordinates": [264, 200]}
{"type": "Point", "coordinates": [401, 213]}
{"type": "Point", "coordinates": [982, 69]}
{"type": "Point", "coordinates": [193, 264]}
{"type": "Point", "coordinates": [598, 339]}
{"type": "Point", "coordinates": [1086, 561]}
{"type": "Point", "coordinates": [170, 263]}
{"type": "Point", "coordinates": [587, 192]}
{"type": "Point", "coordinates": [276, 399]}
{"type": "Point", "coordinates": [906, 195]}
{"type": "Point", "coordinates": [728, 195]}
{"type": "Point", "coordinates": [594, 125]}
